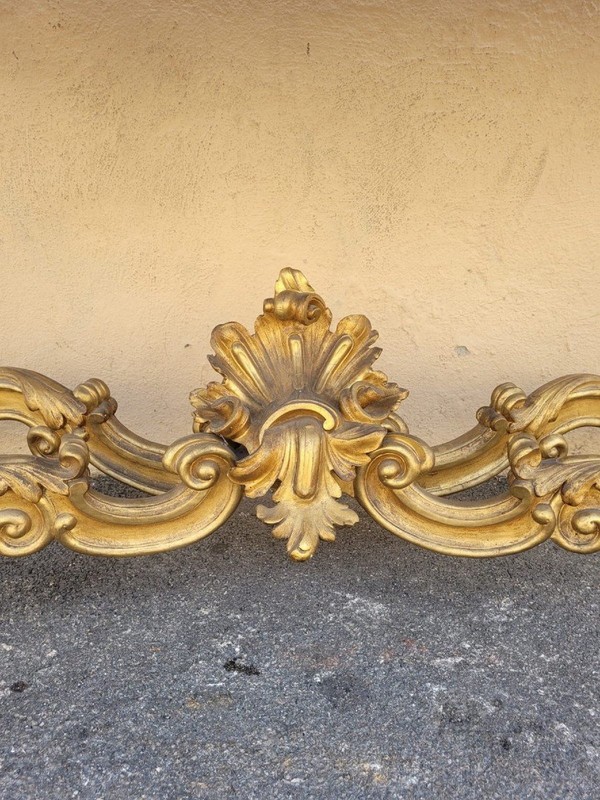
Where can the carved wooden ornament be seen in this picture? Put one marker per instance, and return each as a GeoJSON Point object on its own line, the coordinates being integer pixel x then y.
{"type": "Point", "coordinates": [312, 420]}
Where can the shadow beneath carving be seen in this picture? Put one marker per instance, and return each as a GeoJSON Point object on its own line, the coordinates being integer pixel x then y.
{"type": "Point", "coordinates": [244, 557]}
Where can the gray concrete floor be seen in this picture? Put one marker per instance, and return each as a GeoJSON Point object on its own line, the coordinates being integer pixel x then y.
{"type": "Point", "coordinates": [377, 670]}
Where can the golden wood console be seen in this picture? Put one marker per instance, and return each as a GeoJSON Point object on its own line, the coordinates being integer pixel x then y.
{"type": "Point", "coordinates": [314, 421]}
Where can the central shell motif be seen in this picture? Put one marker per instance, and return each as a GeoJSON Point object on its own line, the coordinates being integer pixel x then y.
{"type": "Point", "coordinates": [305, 403]}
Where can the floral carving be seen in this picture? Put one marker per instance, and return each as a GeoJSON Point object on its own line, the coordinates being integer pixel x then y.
{"type": "Point", "coordinates": [573, 482]}
{"type": "Point", "coordinates": [313, 420]}
{"type": "Point", "coordinates": [29, 476]}
{"type": "Point", "coordinates": [305, 403]}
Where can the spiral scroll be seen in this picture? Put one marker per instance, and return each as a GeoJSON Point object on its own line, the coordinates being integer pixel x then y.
{"type": "Point", "coordinates": [299, 412]}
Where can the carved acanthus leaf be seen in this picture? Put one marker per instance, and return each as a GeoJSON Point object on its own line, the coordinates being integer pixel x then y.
{"type": "Point", "coordinates": [29, 476]}
{"type": "Point", "coordinates": [56, 404]}
{"type": "Point", "coordinates": [309, 465]}
{"type": "Point", "coordinates": [306, 403]}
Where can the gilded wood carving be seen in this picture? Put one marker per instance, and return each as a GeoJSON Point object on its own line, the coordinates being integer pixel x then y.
{"type": "Point", "coordinates": [300, 412]}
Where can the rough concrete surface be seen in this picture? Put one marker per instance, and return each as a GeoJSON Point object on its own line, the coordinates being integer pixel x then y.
{"type": "Point", "coordinates": [377, 670]}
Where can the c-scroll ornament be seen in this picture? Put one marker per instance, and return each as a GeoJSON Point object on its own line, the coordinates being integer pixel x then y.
{"type": "Point", "coordinates": [301, 412]}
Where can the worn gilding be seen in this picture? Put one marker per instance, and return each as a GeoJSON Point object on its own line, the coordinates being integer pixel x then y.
{"type": "Point", "coordinates": [300, 412]}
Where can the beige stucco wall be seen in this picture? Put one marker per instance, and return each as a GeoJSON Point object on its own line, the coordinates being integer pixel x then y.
{"type": "Point", "coordinates": [435, 165]}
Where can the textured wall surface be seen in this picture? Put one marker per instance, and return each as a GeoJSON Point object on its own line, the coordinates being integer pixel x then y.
{"type": "Point", "coordinates": [435, 165]}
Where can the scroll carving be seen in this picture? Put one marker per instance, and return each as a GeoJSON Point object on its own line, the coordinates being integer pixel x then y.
{"type": "Point", "coordinates": [300, 412]}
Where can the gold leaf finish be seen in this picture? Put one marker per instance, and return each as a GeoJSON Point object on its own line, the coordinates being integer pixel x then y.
{"type": "Point", "coordinates": [305, 403]}
{"type": "Point", "coordinates": [299, 412]}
